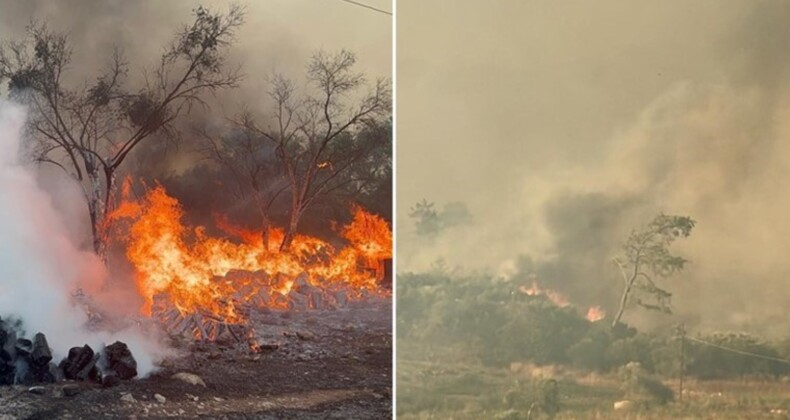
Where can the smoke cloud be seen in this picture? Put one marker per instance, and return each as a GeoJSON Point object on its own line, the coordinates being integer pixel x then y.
{"type": "Point", "coordinates": [585, 124]}
{"type": "Point", "coordinates": [40, 267]}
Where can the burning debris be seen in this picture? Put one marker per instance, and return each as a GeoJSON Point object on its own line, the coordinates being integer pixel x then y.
{"type": "Point", "coordinates": [594, 313]}
{"type": "Point", "coordinates": [206, 287]}
{"type": "Point", "coordinates": [28, 362]}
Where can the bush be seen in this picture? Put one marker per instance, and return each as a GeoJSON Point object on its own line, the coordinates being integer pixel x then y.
{"type": "Point", "coordinates": [639, 386]}
{"type": "Point", "coordinates": [540, 396]}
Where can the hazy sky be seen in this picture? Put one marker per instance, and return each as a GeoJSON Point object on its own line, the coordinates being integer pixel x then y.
{"type": "Point", "coordinates": [279, 34]}
{"type": "Point", "coordinates": [562, 125]}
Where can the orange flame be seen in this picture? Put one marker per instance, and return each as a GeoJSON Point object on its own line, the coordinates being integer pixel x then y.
{"type": "Point", "coordinates": [195, 273]}
{"type": "Point", "coordinates": [554, 296]}
{"type": "Point", "coordinates": [595, 313]}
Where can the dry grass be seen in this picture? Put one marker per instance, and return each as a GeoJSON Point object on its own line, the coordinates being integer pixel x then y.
{"type": "Point", "coordinates": [435, 388]}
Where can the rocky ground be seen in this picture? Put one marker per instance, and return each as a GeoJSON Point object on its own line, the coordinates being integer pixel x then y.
{"type": "Point", "coordinates": [314, 365]}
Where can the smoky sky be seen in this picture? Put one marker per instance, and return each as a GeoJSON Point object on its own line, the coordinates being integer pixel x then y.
{"type": "Point", "coordinates": [277, 36]}
{"type": "Point", "coordinates": [564, 125]}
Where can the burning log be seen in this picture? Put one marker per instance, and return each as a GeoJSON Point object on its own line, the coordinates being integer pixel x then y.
{"type": "Point", "coordinates": [341, 298]}
{"type": "Point", "coordinates": [41, 355]}
{"type": "Point", "coordinates": [27, 362]}
{"type": "Point", "coordinates": [297, 301]}
{"type": "Point", "coordinates": [119, 360]}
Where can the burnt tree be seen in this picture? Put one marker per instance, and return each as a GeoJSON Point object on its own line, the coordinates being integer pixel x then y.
{"type": "Point", "coordinates": [322, 137]}
{"type": "Point", "coordinates": [89, 129]}
{"type": "Point", "coordinates": [255, 171]}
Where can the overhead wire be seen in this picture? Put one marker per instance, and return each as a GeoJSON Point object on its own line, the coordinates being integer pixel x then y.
{"type": "Point", "coordinates": [356, 3]}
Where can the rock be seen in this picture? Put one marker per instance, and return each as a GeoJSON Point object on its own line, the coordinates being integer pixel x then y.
{"type": "Point", "coordinates": [89, 371]}
{"type": "Point", "coordinates": [160, 398]}
{"type": "Point", "coordinates": [623, 405]}
{"type": "Point", "coordinates": [78, 359]}
{"type": "Point", "coordinates": [40, 354]}
{"type": "Point", "coordinates": [38, 390]}
{"type": "Point", "coordinates": [70, 390]}
{"type": "Point", "coordinates": [128, 398]}
{"type": "Point", "coordinates": [305, 335]}
{"type": "Point", "coordinates": [110, 379]}
{"type": "Point", "coordinates": [119, 359]}
{"type": "Point", "coordinates": [192, 397]}
{"type": "Point", "coordinates": [189, 378]}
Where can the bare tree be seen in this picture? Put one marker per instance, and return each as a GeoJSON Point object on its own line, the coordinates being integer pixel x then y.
{"type": "Point", "coordinates": [253, 166]}
{"type": "Point", "coordinates": [89, 130]}
{"type": "Point", "coordinates": [645, 257]}
{"type": "Point", "coordinates": [317, 135]}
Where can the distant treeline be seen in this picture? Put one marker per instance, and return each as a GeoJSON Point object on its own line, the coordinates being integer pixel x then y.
{"type": "Point", "coordinates": [498, 324]}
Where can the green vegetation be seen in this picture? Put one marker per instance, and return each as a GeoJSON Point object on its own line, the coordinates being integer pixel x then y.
{"type": "Point", "coordinates": [478, 347]}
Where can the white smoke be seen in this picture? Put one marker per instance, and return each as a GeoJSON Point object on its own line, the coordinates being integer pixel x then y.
{"type": "Point", "coordinates": [40, 267]}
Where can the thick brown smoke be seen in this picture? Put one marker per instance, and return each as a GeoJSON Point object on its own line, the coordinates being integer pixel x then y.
{"type": "Point", "coordinates": [563, 126]}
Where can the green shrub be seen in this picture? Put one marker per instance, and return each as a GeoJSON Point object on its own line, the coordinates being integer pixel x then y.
{"type": "Point", "coordinates": [639, 386]}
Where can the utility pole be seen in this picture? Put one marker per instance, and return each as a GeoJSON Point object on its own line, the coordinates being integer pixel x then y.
{"type": "Point", "coordinates": [682, 335]}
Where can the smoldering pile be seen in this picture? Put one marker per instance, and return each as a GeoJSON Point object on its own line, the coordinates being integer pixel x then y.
{"type": "Point", "coordinates": [29, 361]}
{"type": "Point", "coordinates": [258, 292]}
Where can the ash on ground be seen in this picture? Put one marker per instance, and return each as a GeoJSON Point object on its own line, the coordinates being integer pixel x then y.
{"type": "Point", "coordinates": [312, 364]}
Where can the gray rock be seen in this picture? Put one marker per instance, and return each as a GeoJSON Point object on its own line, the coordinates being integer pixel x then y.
{"type": "Point", "coordinates": [70, 390]}
{"type": "Point", "coordinates": [128, 398]}
{"type": "Point", "coordinates": [38, 390]}
{"type": "Point", "coordinates": [189, 378]}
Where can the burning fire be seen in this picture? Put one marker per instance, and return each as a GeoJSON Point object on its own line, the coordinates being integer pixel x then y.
{"type": "Point", "coordinates": [182, 268]}
{"type": "Point", "coordinates": [594, 313]}
{"type": "Point", "coordinates": [557, 298]}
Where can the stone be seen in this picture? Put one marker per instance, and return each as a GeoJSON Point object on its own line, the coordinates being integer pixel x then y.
{"type": "Point", "coordinates": [189, 378]}
{"type": "Point", "coordinates": [40, 353]}
{"type": "Point", "coordinates": [110, 379]}
{"type": "Point", "coordinates": [119, 359]}
{"type": "Point", "coordinates": [128, 398]}
{"type": "Point", "coordinates": [160, 398]}
{"type": "Point", "coordinates": [305, 335]}
{"type": "Point", "coordinates": [78, 359]}
{"type": "Point", "coordinates": [70, 390]}
{"type": "Point", "coordinates": [38, 390]}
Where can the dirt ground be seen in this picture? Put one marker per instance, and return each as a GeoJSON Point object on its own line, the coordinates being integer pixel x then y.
{"type": "Point", "coordinates": [315, 365]}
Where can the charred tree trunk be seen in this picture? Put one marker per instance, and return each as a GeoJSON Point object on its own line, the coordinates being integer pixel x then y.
{"type": "Point", "coordinates": [293, 224]}
{"type": "Point", "coordinates": [100, 202]}
{"type": "Point", "coordinates": [266, 223]}
{"type": "Point", "coordinates": [95, 204]}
